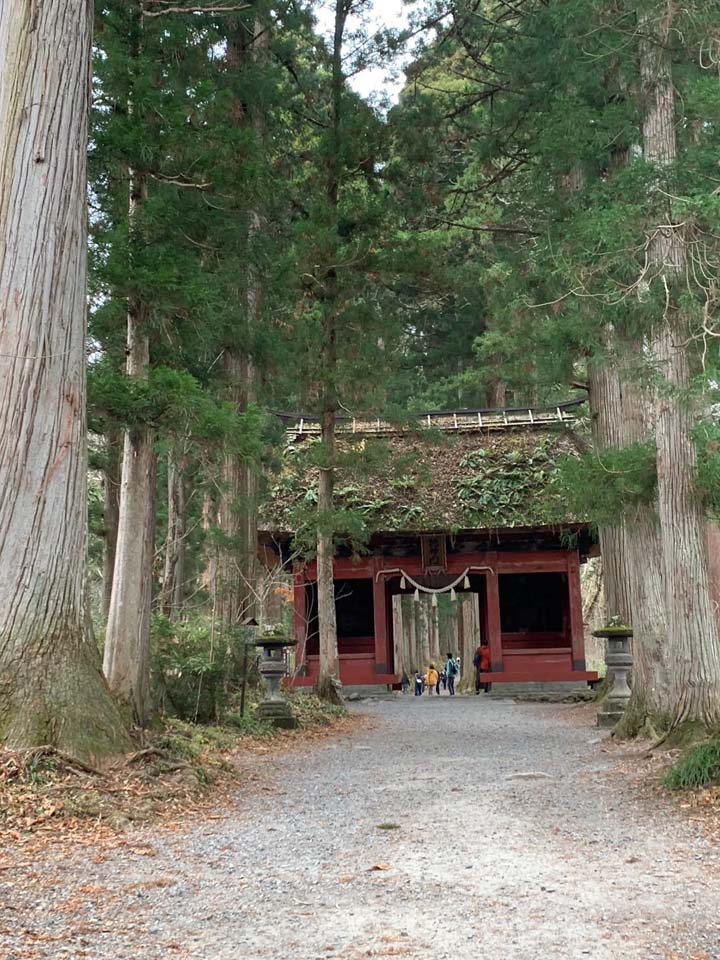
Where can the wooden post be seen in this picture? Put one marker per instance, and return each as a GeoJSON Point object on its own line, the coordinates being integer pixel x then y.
{"type": "Point", "coordinates": [408, 641]}
{"type": "Point", "coordinates": [467, 650]}
{"type": "Point", "coordinates": [577, 628]}
{"type": "Point", "coordinates": [398, 635]}
{"type": "Point", "coordinates": [413, 633]}
{"type": "Point", "coordinates": [477, 634]}
{"type": "Point", "coordinates": [380, 621]}
{"type": "Point", "coordinates": [301, 622]}
{"type": "Point", "coordinates": [493, 619]}
{"type": "Point", "coordinates": [423, 635]}
{"type": "Point", "coordinates": [435, 652]}
{"type": "Point", "coordinates": [454, 644]}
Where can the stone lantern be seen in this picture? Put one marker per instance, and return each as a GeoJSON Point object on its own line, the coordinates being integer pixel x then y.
{"type": "Point", "coordinates": [274, 707]}
{"type": "Point", "coordinates": [619, 662]}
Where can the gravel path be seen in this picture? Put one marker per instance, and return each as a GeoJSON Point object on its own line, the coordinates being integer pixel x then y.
{"type": "Point", "coordinates": [518, 839]}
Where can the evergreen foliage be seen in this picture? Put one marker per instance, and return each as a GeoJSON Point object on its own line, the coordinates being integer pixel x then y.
{"type": "Point", "coordinates": [485, 242]}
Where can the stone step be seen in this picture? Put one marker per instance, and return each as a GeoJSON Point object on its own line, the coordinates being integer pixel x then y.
{"type": "Point", "coordinates": [567, 690]}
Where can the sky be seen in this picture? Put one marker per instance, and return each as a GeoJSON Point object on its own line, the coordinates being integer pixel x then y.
{"type": "Point", "coordinates": [384, 13]}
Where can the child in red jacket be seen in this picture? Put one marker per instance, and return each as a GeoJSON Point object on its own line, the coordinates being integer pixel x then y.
{"type": "Point", "coordinates": [481, 662]}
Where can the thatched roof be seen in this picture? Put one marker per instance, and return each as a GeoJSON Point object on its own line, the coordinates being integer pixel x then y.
{"type": "Point", "coordinates": [429, 481]}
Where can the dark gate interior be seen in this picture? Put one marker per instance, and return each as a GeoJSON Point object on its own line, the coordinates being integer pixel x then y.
{"type": "Point", "coordinates": [354, 610]}
{"type": "Point", "coordinates": [534, 610]}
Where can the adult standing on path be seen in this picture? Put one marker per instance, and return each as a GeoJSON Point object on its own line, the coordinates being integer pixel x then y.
{"type": "Point", "coordinates": [451, 671]}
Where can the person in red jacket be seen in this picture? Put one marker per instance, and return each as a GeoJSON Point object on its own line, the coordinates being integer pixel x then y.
{"type": "Point", "coordinates": [481, 662]}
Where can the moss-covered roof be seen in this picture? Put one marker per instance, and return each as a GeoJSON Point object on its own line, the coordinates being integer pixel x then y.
{"type": "Point", "coordinates": [430, 481]}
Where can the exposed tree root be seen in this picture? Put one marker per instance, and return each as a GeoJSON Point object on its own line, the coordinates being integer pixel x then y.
{"type": "Point", "coordinates": [330, 690]}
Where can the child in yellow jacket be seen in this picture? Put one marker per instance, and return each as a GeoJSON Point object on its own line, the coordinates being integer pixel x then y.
{"type": "Point", "coordinates": [431, 680]}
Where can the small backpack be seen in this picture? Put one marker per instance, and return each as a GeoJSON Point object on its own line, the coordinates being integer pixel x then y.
{"type": "Point", "coordinates": [453, 669]}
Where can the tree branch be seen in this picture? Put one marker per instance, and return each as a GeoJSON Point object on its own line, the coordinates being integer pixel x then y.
{"type": "Point", "coordinates": [179, 181]}
{"type": "Point", "coordinates": [497, 228]}
{"type": "Point", "coordinates": [148, 12]}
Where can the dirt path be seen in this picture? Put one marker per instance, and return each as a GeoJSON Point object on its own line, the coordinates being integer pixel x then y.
{"type": "Point", "coordinates": [517, 840]}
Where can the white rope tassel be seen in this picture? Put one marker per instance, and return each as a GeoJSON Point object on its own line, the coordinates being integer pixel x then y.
{"type": "Point", "coordinates": [466, 582]}
{"type": "Point", "coordinates": [453, 595]}
{"type": "Point", "coordinates": [416, 596]}
{"type": "Point", "coordinates": [403, 583]}
{"type": "Point", "coordinates": [434, 599]}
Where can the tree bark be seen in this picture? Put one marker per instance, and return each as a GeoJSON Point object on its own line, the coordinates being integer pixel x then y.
{"type": "Point", "coordinates": [127, 641]}
{"type": "Point", "coordinates": [497, 395]}
{"type": "Point", "coordinates": [174, 571]}
{"type": "Point", "coordinates": [593, 607]}
{"type": "Point", "coordinates": [606, 405]}
{"type": "Point", "coordinates": [329, 667]}
{"type": "Point", "coordinates": [692, 695]}
{"type": "Point", "coordinates": [111, 512]}
{"type": "Point", "coordinates": [632, 549]}
{"type": "Point", "coordinates": [51, 688]}
{"type": "Point", "coordinates": [208, 577]}
{"type": "Point", "coordinates": [237, 569]}
{"type": "Point", "coordinates": [327, 621]}
{"type": "Point", "coordinates": [712, 535]}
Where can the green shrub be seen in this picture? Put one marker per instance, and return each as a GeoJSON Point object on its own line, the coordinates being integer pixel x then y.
{"type": "Point", "coordinates": [311, 711]}
{"type": "Point", "coordinates": [249, 726]}
{"type": "Point", "coordinates": [699, 767]}
{"type": "Point", "coordinates": [190, 666]}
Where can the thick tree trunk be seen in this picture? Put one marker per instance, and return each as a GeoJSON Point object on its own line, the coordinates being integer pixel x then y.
{"type": "Point", "coordinates": [208, 577]}
{"type": "Point", "coordinates": [693, 691]}
{"type": "Point", "coordinates": [174, 570]}
{"type": "Point", "coordinates": [127, 641]}
{"type": "Point", "coordinates": [606, 404]}
{"type": "Point", "coordinates": [236, 573]}
{"type": "Point", "coordinates": [497, 395]}
{"type": "Point", "coordinates": [593, 608]}
{"type": "Point", "coordinates": [51, 688]}
{"type": "Point", "coordinates": [692, 695]}
{"type": "Point", "coordinates": [329, 669]}
{"type": "Point", "coordinates": [632, 550]}
{"type": "Point", "coordinates": [327, 622]}
{"type": "Point", "coordinates": [712, 536]}
{"type": "Point", "coordinates": [237, 570]}
{"type": "Point", "coordinates": [111, 512]}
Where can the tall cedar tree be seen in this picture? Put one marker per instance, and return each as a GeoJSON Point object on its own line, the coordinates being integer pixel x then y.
{"type": "Point", "coordinates": [51, 689]}
{"type": "Point", "coordinates": [574, 143]}
{"type": "Point", "coordinates": [345, 338]}
{"type": "Point", "coordinates": [161, 130]}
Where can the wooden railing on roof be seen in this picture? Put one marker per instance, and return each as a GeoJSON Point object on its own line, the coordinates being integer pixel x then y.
{"type": "Point", "coordinates": [450, 421]}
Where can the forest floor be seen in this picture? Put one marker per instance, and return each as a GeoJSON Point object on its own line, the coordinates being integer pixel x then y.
{"type": "Point", "coordinates": [441, 829]}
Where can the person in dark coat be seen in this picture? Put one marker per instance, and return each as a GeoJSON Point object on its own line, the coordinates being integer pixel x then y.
{"type": "Point", "coordinates": [451, 671]}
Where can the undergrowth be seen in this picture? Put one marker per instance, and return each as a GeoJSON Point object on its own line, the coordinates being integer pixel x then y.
{"type": "Point", "coordinates": [173, 767]}
{"type": "Point", "coordinates": [698, 767]}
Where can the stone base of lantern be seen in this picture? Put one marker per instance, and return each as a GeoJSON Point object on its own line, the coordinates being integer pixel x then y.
{"type": "Point", "coordinates": [278, 713]}
{"type": "Point", "coordinates": [610, 713]}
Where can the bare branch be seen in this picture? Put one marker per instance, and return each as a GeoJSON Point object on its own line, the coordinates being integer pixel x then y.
{"type": "Point", "coordinates": [180, 181]}
{"type": "Point", "coordinates": [490, 228]}
{"type": "Point", "coordinates": [148, 12]}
